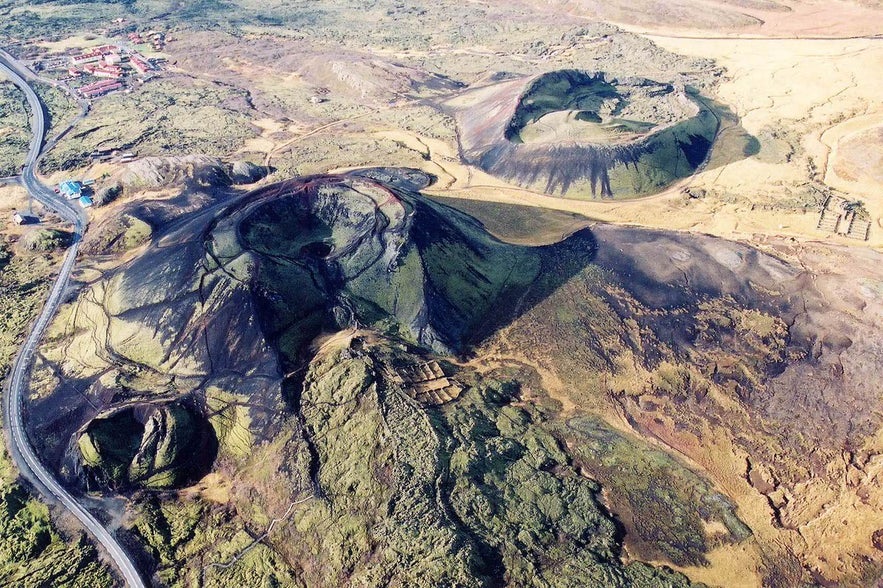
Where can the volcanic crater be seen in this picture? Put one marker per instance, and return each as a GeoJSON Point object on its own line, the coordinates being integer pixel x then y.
{"type": "Point", "coordinates": [581, 134]}
{"type": "Point", "coordinates": [275, 334]}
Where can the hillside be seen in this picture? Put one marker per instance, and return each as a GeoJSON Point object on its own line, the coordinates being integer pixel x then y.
{"type": "Point", "coordinates": [526, 293]}
{"type": "Point", "coordinates": [423, 403]}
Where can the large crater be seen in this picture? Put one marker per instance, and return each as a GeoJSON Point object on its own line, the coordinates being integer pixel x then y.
{"type": "Point", "coordinates": [585, 135]}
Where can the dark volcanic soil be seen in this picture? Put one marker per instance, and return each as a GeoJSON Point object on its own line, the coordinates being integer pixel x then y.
{"type": "Point", "coordinates": [212, 335]}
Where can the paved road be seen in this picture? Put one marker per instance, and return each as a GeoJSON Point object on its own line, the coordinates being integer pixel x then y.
{"type": "Point", "coordinates": [19, 447]}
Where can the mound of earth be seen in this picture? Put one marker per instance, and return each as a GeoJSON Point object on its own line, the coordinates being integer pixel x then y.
{"type": "Point", "coordinates": [369, 78]}
{"type": "Point", "coordinates": [860, 157]}
{"type": "Point", "coordinates": [427, 405]}
{"type": "Point", "coordinates": [246, 172]}
{"type": "Point", "coordinates": [585, 134]}
{"type": "Point", "coordinates": [45, 240]}
{"type": "Point", "coordinates": [117, 234]}
{"type": "Point", "coordinates": [201, 170]}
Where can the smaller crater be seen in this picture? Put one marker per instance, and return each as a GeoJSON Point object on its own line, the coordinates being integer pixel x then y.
{"type": "Point", "coordinates": [587, 134]}
{"type": "Point", "coordinates": [317, 250]}
{"type": "Point", "coordinates": [147, 446]}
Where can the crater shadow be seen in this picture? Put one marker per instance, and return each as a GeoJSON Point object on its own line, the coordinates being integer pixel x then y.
{"type": "Point", "coordinates": [732, 142]}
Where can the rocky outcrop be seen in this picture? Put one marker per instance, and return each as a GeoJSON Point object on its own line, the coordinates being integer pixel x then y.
{"type": "Point", "coordinates": [117, 234]}
{"type": "Point", "coordinates": [45, 240]}
{"type": "Point", "coordinates": [246, 172]}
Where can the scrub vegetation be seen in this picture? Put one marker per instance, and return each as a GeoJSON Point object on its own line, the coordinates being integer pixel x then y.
{"type": "Point", "coordinates": [336, 380]}
{"type": "Point", "coordinates": [167, 117]}
{"type": "Point", "coordinates": [32, 550]}
{"type": "Point", "coordinates": [15, 131]}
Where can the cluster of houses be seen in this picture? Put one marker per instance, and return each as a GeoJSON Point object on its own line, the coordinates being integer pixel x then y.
{"type": "Point", "coordinates": [139, 63]}
{"type": "Point", "coordinates": [70, 189]}
{"type": "Point", "coordinates": [107, 62]}
{"type": "Point", "coordinates": [113, 72]}
{"type": "Point", "coordinates": [155, 38]}
{"type": "Point", "coordinates": [98, 54]}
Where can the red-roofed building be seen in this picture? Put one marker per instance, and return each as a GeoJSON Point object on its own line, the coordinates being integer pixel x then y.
{"type": "Point", "coordinates": [95, 85]}
{"type": "Point", "coordinates": [104, 71]}
{"type": "Point", "coordinates": [99, 89]}
{"type": "Point", "coordinates": [90, 57]}
{"type": "Point", "coordinates": [140, 65]}
{"type": "Point", "coordinates": [95, 54]}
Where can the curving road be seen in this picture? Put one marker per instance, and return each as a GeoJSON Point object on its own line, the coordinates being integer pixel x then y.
{"type": "Point", "coordinates": [19, 447]}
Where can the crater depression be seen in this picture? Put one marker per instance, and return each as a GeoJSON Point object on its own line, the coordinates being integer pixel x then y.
{"type": "Point", "coordinates": [583, 135]}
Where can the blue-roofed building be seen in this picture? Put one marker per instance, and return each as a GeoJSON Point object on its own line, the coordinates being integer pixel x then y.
{"type": "Point", "coordinates": [70, 189]}
{"type": "Point", "coordinates": [85, 201]}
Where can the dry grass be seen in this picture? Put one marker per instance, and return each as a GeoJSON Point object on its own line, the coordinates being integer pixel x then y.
{"type": "Point", "coordinates": [767, 194]}
{"type": "Point", "coordinates": [759, 18]}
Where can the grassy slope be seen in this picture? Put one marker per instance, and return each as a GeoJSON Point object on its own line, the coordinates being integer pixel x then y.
{"type": "Point", "coordinates": [60, 108]}
{"type": "Point", "coordinates": [465, 495]}
{"type": "Point", "coordinates": [450, 265]}
{"type": "Point", "coordinates": [14, 129]}
{"type": "Point", "coordinates": [525, 225]}
{"type": "Point", "coordinates": [514, 482]}
{"type": "Point", "coordinates": [41, 19]}
{"type": "Point", "coordinates": [167, 117]}
{"type": "Point", "coordinates": [32, 552]}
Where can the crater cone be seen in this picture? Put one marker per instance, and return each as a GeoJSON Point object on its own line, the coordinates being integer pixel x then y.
{"type": "Point", "coordinates": [585, 135]}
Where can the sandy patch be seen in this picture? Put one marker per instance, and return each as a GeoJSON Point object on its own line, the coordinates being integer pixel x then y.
{"type": "Point", "coordinates": [804, 87]}
{"type": "Point", "coordinates": [856, 160]}
{"type": "Point", "coordinates": [780, 19]}
{"type": "Point", "coordinates": [214, 487]}
{"type": "Point", "coordinates": [734, 566]}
